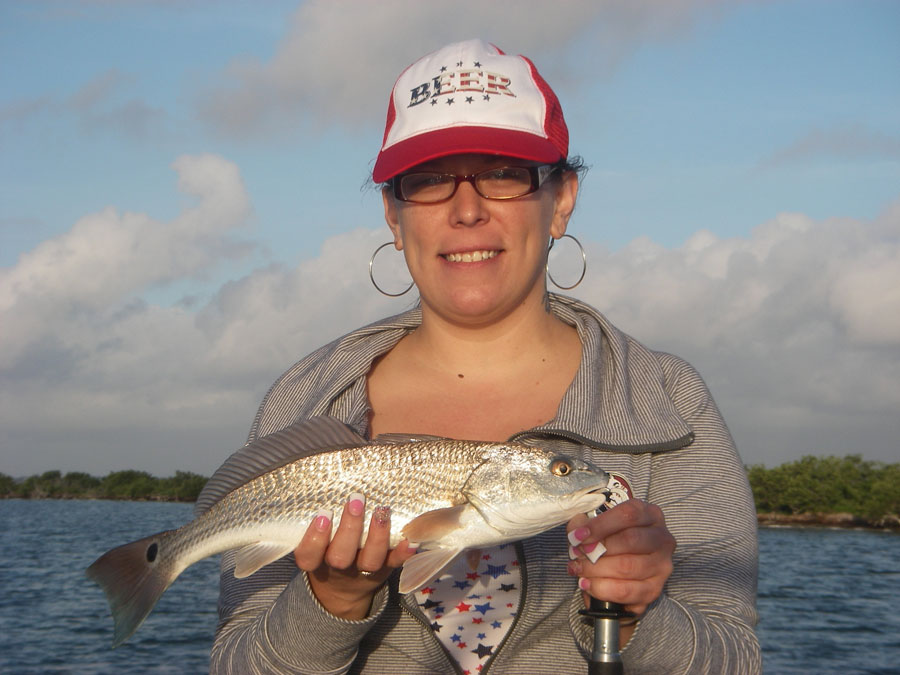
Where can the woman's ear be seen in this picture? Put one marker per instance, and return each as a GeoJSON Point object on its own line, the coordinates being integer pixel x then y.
{"type": "Point", "coordinates": [566, 196]}
{"type": "Point", "coordinates": [392, 217]}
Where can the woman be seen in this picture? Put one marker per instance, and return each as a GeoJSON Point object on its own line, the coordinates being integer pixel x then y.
{"type": "Point", "coordinates": [474, 163]}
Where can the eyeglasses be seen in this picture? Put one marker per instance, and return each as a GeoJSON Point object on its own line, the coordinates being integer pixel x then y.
{"type": "Point", "coordinates": [506, 182]}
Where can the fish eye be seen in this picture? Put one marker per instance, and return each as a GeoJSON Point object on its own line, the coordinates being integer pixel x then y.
{"type": "Point", "coordinates": [560, 467]}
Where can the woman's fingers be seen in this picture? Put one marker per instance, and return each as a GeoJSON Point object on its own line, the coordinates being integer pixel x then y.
{"type": "Point", "coordinates": [373, 554]}
{"type": "Point", "coordinates": [343, 552]}
{"type": "Point", "coordinates": [344, 547]}
{"type": "Point", "coordinates": [631, 527]}
{"type": "Point", "coordinates": [637, 552]}
{"type": "Point", "coordinates": [310, 552]}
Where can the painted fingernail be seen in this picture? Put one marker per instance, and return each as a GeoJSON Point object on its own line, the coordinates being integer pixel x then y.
{"type": "Point", "coordinates": [412, 545]}
{"type": "Point", "coordinates": [584, 584]}
{"type": "Point", "coordinates": [382, 515]}
{"type": "Point", "coordinates": [322, 521]}
{"type": "Point", "coordinates": [579, 535]}
{"type": "Point", "coordinates": [596, 550]}
{"type": "Point", "coordinates": [574, 568]}
{"type": "Point", "coordinates": [572, 553]}
{"type": "Point", "coordinates": [356, 504]}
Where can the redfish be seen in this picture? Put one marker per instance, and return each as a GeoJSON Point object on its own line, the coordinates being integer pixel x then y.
{"type": "Point", "coordinates": [445, 495]}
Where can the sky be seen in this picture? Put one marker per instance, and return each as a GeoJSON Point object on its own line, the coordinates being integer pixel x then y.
{"type": "Point", "coordinates": [186, 209]}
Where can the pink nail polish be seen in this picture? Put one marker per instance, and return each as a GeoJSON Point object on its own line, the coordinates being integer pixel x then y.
{"type": "Point", "coordinates": [322, 521]}
{"type": "Point", "coordinates": [579, 535]}
{"type": "Point", "coordinates": [584, 584]}
{"type": "Point", "coordinates": [356, 504]}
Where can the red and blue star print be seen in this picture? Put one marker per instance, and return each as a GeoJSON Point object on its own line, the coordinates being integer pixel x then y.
{"type": "Point", "coordinates": [472, 605]}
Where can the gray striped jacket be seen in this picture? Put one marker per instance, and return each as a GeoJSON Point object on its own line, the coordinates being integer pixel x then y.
{"type": "Point", "coordinates": [644, 414]}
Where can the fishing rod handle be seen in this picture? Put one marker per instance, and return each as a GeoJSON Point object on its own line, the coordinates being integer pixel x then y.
{"type": "Point", "coordinates": [605, 657]}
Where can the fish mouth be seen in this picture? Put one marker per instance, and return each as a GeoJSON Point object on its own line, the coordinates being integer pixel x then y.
{"type": "Point", "coordinates": [471, 256]}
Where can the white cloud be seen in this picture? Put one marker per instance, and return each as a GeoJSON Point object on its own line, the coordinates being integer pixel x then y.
{"type": "Point", "coordinates": [796, 328]}
{"type": "Point", "coordinates": [97, 378]}
{"type": "Point", "coordinates": [339, 58]}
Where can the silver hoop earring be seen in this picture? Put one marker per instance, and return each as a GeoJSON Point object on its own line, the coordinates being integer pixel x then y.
{"type": "Point", "coordinates": [372, 275]}
{"type": "Point", "coordinates": [583, 263]}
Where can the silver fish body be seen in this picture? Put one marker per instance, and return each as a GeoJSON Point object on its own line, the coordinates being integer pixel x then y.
{"type": "Point", "coordinates": [445, 495]}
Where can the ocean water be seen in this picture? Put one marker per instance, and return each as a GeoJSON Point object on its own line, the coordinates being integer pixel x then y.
{"type": "Point", "coordinates": [829, 600]}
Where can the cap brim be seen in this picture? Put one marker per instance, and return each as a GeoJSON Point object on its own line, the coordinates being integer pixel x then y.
{"type": "Point", "coordinates": [461, 140]}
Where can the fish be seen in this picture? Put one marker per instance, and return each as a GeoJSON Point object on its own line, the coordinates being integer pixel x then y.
{"type": "Point", "coordinates": [445, 495]}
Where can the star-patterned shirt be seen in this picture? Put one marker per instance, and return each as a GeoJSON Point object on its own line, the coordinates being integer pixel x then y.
{"type": "Point", "coordinates": [472, 605]}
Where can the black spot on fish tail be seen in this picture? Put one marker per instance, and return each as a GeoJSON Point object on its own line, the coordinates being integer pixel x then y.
{"type": "Point", "coordinates": [133, 577]}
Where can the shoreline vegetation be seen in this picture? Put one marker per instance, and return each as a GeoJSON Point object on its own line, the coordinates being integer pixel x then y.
{"type": "Point", "coordinates": [843, 492]}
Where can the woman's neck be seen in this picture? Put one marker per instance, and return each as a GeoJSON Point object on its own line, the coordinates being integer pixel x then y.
{"type": "Point", "coordinates": [522, 337]}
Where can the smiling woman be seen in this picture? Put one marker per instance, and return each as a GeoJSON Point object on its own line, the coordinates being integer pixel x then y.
{"type": "Point", "coordinates": [476, 183]}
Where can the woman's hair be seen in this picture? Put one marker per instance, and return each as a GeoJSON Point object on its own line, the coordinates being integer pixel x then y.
{"type": "Point", "coordinates": [575, 164]}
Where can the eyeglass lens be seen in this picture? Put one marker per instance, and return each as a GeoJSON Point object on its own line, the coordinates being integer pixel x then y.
{"type": "Point", "coordinates": [501, 183]}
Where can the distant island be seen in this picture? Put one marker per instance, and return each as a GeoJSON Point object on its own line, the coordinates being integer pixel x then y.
{"type": "Point", "coordinates": [821, 491]}
{"type": "Point", "coordinates": [828, 491]}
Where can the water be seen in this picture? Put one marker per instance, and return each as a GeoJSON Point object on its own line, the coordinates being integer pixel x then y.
{"type": "Point", "coordinates": [828, 599]}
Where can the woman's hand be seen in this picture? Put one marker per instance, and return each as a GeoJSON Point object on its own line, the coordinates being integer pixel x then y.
{"type": "Point", "coordinates": [343, 576]}
{"type": "Point", "coordinates": [638, 558]}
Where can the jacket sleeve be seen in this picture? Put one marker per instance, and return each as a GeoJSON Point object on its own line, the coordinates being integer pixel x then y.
{"type": "Point", "coordinates": [704, 620]}
{"type": "Point", "coordinates": [272, 622]}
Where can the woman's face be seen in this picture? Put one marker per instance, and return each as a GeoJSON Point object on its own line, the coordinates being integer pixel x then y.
{"type": "Point", "coordinates": [476, 260]}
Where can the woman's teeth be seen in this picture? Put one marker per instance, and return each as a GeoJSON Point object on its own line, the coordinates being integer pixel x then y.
{"type": "Point", "coordinates": [471, 256]}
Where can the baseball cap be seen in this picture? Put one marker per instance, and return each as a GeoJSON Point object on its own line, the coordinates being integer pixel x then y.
{"type": "Point", "coordinates": [470, 97]}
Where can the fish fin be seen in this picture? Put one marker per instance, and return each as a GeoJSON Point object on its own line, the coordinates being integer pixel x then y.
{"type": "Point", "coordinates": [423, 566]}
{"type": "Point", "coordinates": [432, 525]}
{"type": "Point", "coordinates": [250, 558]}
{"type": "Point", "coordinates": [301, 439]}
{"type": "Point", "coordinates": [133, 577]}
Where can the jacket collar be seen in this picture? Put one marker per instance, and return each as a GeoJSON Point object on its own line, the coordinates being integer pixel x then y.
{"type": "Point", "coordinates": [618, 400]}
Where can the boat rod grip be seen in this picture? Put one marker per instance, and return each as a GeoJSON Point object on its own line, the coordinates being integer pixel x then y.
{"type": "Point", "coordinates": [605, 657]}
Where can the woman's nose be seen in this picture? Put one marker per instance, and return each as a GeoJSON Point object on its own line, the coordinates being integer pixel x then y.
{"type": "Point", "coordinates": [468, 208]}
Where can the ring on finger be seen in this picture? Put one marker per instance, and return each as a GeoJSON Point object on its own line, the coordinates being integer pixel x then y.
{"type": "Point", "coordinates": [364, 573]}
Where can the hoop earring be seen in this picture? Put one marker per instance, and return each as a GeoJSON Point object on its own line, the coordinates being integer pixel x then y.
{"type": "Point", "coordinates": [372, 275]}
{"type": "Point", "coordinates": [583, 263]}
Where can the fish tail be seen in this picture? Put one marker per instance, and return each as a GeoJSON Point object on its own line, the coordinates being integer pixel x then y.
{"type": "Point", "coordinates": [133, 577]}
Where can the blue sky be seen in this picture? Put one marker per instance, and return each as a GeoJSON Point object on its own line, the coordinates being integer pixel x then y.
{"type": "Point", "coordinates": [183, 210]}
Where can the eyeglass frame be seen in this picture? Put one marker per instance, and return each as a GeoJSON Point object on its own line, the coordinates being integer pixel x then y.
{"type": "Point", "coordinates": [538, 174]}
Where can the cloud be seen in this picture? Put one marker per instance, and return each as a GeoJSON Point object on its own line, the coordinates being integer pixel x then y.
{"type": "Point", "coordinates": [338, 58]}
{"type": "Point", "coordinates": [847, 142]}
{"type": "Point", "coordinates": [796, 327]}
{"type": "Point", "coordinates": [107, 259]}
{"type": "Point", "coordinates": [99, 106]}
{"type": "Point", "coordinates": [96, 377]}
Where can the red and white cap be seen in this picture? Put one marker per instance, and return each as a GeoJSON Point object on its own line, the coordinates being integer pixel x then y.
{"type": "Point", "coordinates": [470, 97]}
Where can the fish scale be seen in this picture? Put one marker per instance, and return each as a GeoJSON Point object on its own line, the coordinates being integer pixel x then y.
{"type": "Point", "coordinates": [446, 495]}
